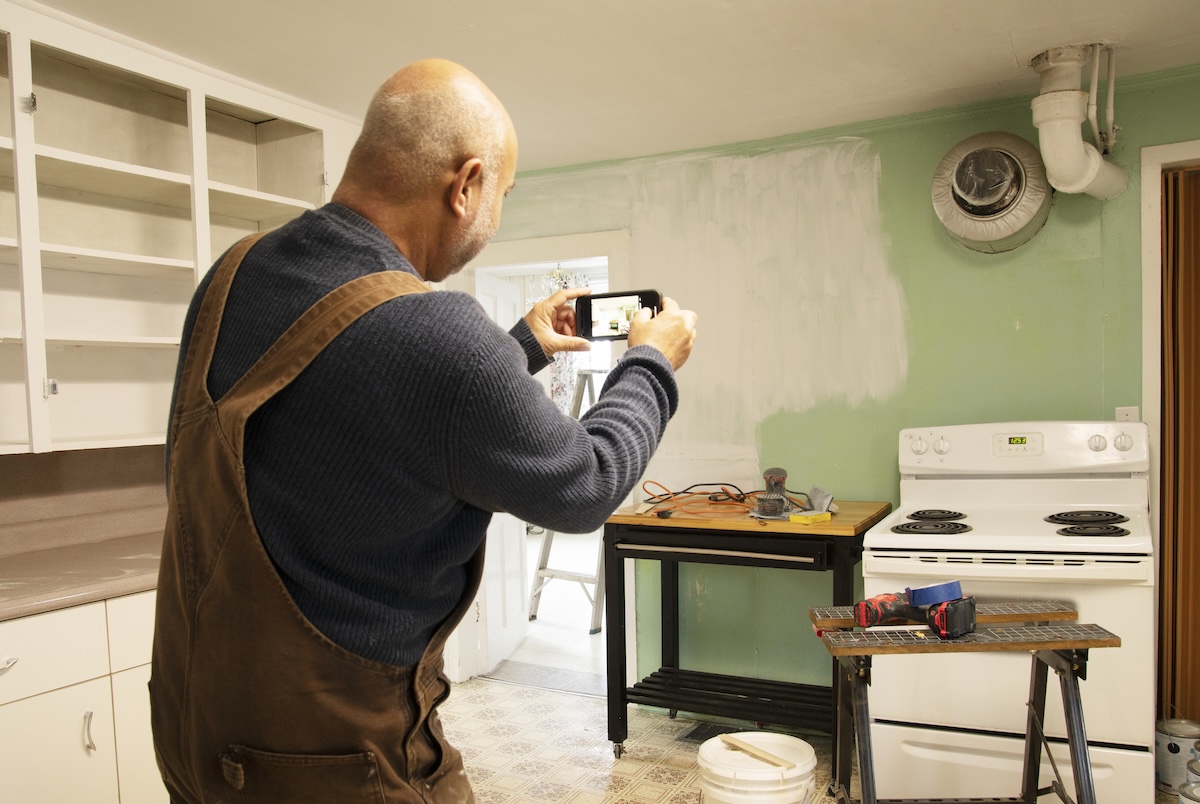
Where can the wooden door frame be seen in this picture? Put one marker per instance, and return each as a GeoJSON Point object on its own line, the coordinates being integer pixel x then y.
{"type": "Point", "coordinates": [1154, 160]}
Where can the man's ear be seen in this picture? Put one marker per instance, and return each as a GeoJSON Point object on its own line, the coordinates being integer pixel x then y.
{"type": "Point", "coordinates": [465, 187]}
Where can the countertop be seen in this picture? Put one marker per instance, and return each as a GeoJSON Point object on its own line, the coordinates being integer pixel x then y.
{"type": "Point", "coordinates": [70, 575]}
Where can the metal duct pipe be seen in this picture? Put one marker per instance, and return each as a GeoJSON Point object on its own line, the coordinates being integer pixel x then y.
{"type": "Point", "coordinates": [1072, 165]}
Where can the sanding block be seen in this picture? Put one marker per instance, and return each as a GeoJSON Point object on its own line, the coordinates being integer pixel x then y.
{"type": "Point", "coordinates": [809, 517]}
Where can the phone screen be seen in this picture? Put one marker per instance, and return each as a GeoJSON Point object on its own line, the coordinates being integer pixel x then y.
{"type": "Point", "coordinates": [611, 315]}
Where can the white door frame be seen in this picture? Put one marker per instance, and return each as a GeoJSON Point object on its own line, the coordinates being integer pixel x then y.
{"type": "Point", "coordinates": [1154, 160]}
{"type": "Point", "coordinates": [615, 246]}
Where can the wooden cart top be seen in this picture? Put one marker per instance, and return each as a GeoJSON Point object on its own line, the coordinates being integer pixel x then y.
{"type": "Point", "coordinates": [853, 517]}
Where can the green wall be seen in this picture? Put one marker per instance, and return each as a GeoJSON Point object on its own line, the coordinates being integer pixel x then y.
{"type": "Point", "coordinates": [1050, 330]}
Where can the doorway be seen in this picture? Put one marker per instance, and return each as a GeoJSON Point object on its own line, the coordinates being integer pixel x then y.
{"type": "Point", "coordinates": [1170, 235]}
{"type": "Point", "coordinates": [554, 651]}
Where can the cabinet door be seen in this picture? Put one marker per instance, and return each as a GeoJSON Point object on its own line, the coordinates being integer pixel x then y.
{"type": "Point", "coordinates": [55, 649]}
{"type": "Point", "coordinates": [137, 770]}
{"type": "Point", "coordinates": [130, 629]}
{"type": "Point", "coordinates": [14, 423]}
{"type": "Point", "coordinates": [59, 747]}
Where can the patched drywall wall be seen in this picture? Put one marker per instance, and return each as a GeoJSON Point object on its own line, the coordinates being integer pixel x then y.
{"type": "Point", "coordinates": [784, 257]}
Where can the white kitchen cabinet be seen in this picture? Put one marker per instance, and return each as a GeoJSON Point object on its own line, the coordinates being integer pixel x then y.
{"type": "Point", "coordinates": [138, 779]}
{"type": "Point", "coordinates": [44, 652]}
{"type": "Point", "coordinates": [56, 721]}
{"type": "Point", "coordinates": [59, 746]}
{"type": "Point", "coordinates": [123, 174]}
{"type": "Point", "coordinates": [74, 705]}
{"type": "Point", "coordinates": [130, 636]}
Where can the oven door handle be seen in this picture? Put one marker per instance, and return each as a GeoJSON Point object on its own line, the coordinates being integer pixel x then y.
{"type": "Point", "coordinates": [1137, 570]}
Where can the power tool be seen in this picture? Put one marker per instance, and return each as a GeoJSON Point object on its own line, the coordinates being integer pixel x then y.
{"type": "Point", "coordinates": [948, 619]}
{"type": "Point", "coordinates": [774, 503]}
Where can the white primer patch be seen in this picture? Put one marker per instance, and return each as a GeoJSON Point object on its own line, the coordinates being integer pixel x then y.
{"type": "Point", "coordinates": [783, 257]}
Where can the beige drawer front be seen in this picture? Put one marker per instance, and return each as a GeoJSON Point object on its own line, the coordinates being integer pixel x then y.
{"type": "Point", "coordinates": [130, 629]}
{"type": "Point", "coordinates": [44, 652]}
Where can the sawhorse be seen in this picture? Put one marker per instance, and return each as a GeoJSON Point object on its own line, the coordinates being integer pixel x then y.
{"type": "Point", "coordinates": [1056, 642]}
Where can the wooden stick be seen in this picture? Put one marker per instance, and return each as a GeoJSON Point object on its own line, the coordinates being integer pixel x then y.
{"type": "Point", "coordinates": [755, 751]}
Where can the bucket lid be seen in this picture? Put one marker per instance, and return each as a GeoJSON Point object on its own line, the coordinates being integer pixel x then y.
{"type": "Point", "coordinates": [727, 760]}
{"type": "Point", "coordinates": [1179, 728]}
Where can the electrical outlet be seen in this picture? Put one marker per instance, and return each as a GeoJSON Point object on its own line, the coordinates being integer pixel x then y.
{"type": "Point", "coordinates": [1127, 414]}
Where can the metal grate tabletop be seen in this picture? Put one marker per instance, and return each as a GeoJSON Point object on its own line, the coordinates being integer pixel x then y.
{"type": "Point", "coordinates": [1058, 636]}
{"type": "Point", "coordinates": [1008, 612]}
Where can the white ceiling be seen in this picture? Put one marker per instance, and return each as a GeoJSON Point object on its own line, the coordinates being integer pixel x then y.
{"type": "Point", "coordinates": [608, 79]}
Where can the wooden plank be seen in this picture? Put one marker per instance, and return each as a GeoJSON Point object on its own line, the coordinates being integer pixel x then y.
{"type": "Point", "coordinates": [1010, 612]}
{"type": "Point", "coordinates": [881, 641]}
{"type": "Point", "coordinates": [853, 517]}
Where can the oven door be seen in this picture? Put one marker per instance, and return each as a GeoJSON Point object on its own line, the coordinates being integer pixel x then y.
{"type": "Point", "coordinates": [987, 691]}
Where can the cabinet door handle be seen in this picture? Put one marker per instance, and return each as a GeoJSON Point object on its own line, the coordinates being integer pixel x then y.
{"type": "Point", "coordinates": [87, 732]}
{"type": "Point", "coordinates": [8, 664]}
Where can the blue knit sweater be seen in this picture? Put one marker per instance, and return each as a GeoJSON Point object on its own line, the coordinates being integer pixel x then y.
{"type": "Point", "coordinates": [373, 476]}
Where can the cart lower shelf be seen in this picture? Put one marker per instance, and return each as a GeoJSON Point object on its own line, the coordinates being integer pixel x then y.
{"type": "Point", "coordinates": [759, 700]}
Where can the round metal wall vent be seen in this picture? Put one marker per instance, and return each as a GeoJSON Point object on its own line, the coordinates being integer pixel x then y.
{"type": "Point", "coordinates": [991, 193]}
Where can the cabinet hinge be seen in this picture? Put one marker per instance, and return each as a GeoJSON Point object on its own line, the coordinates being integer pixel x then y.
{"type": "Point", "coordinates": [31, 103]}
{"type": "Point", "coordinates": [325, 178]}
{"type": "Point", "coordinates": [49, 387]}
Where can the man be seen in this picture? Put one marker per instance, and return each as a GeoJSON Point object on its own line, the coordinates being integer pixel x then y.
{"type": "Point", "coordinates": [339, 439]}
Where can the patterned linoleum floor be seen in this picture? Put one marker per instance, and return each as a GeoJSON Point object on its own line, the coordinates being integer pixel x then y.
{"type": "Point", "coordinates": [533, 743]}
{"type": "Point", "coordinates": [523, 745]}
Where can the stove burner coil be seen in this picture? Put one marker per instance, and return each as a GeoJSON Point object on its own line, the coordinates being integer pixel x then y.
{"type": "Point", "coordinates": [941, 528]}
{"type": "Point", "coordinates": [936, 515]}
{"type": "Point", "coordinates": [1093, 530]}
{"type": "Point", "coordinates": [1086, 518]}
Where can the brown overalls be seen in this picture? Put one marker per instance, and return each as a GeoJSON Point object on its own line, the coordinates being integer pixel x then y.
{"type": "Point", "coordinates": [249, 702]}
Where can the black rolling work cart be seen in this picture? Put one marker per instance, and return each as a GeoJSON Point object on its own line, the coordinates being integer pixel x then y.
{"type": "Point", "coordinates": [736, 539]}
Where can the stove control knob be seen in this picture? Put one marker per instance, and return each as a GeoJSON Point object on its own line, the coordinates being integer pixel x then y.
{"type": "Point", "coordinates": [1123, 442]}
{"type": "Point", "coordinates": [942, 446]}
{"type": "Point", "coordinates": [1097, 443]}
{"type": "Point", "coordinates": [919, 447]}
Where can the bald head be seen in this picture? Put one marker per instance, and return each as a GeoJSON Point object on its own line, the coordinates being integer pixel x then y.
{"type": "Point", "coordinates": [436, 156]}
{"type": "Point", "coordinates": [422, 124]}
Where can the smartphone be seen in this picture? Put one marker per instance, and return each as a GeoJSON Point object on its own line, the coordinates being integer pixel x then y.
{"type": "Point", "coordinates": [606, 316]}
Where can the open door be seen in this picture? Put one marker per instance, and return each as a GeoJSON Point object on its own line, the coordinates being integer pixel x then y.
{"type": "Point", "coordinates": [496, 622]}
{"type": "Point", "coordinates": [499, 620]}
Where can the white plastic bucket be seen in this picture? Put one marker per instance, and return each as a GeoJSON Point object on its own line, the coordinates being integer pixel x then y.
{"type": "Point", "coordinates": [1189, 793]}
{"type": "Point", "coordinates": [1193, 771]}
{"type": "Point", "coordinates": [1171, 752]}
{"type": "Point", "coordinates": [731, 776]}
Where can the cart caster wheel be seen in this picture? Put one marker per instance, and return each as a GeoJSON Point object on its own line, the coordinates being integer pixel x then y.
{"type": "Point", "coordinates": [671, 713]}
{"type": "Point", "coordinates": [618, 749]}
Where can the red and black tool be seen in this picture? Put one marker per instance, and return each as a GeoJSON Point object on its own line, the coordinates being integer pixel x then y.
{"type": "Point", "coordinates": [948, 619]}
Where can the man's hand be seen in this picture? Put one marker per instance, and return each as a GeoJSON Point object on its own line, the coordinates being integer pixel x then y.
{"type": "Point", "coordinates": [672, 331]}
{"type": "Point", "coordinates": [552, 322]}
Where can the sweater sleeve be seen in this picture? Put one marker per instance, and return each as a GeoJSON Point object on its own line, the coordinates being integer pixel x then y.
{"type": "Point", "coordinates": [510, 448]}
{"type": "Point", "coordinates": [534, 352]}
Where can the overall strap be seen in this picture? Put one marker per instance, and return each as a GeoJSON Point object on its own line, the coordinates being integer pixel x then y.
{"type": "Point", "coordinates": [193, 380]}
{"type": "Point", "coordinates": [303, 341]}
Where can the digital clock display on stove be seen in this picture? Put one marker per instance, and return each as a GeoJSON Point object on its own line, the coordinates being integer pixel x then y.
{"type": "Point", "coordinates": [1010, 445]}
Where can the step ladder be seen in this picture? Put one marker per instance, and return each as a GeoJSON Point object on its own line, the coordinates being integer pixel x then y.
{"type": "Point", "coordinates": [544, 574]}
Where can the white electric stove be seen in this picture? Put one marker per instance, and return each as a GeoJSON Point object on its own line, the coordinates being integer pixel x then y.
{"type": "Point", "coordinates": [1024, 510]}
